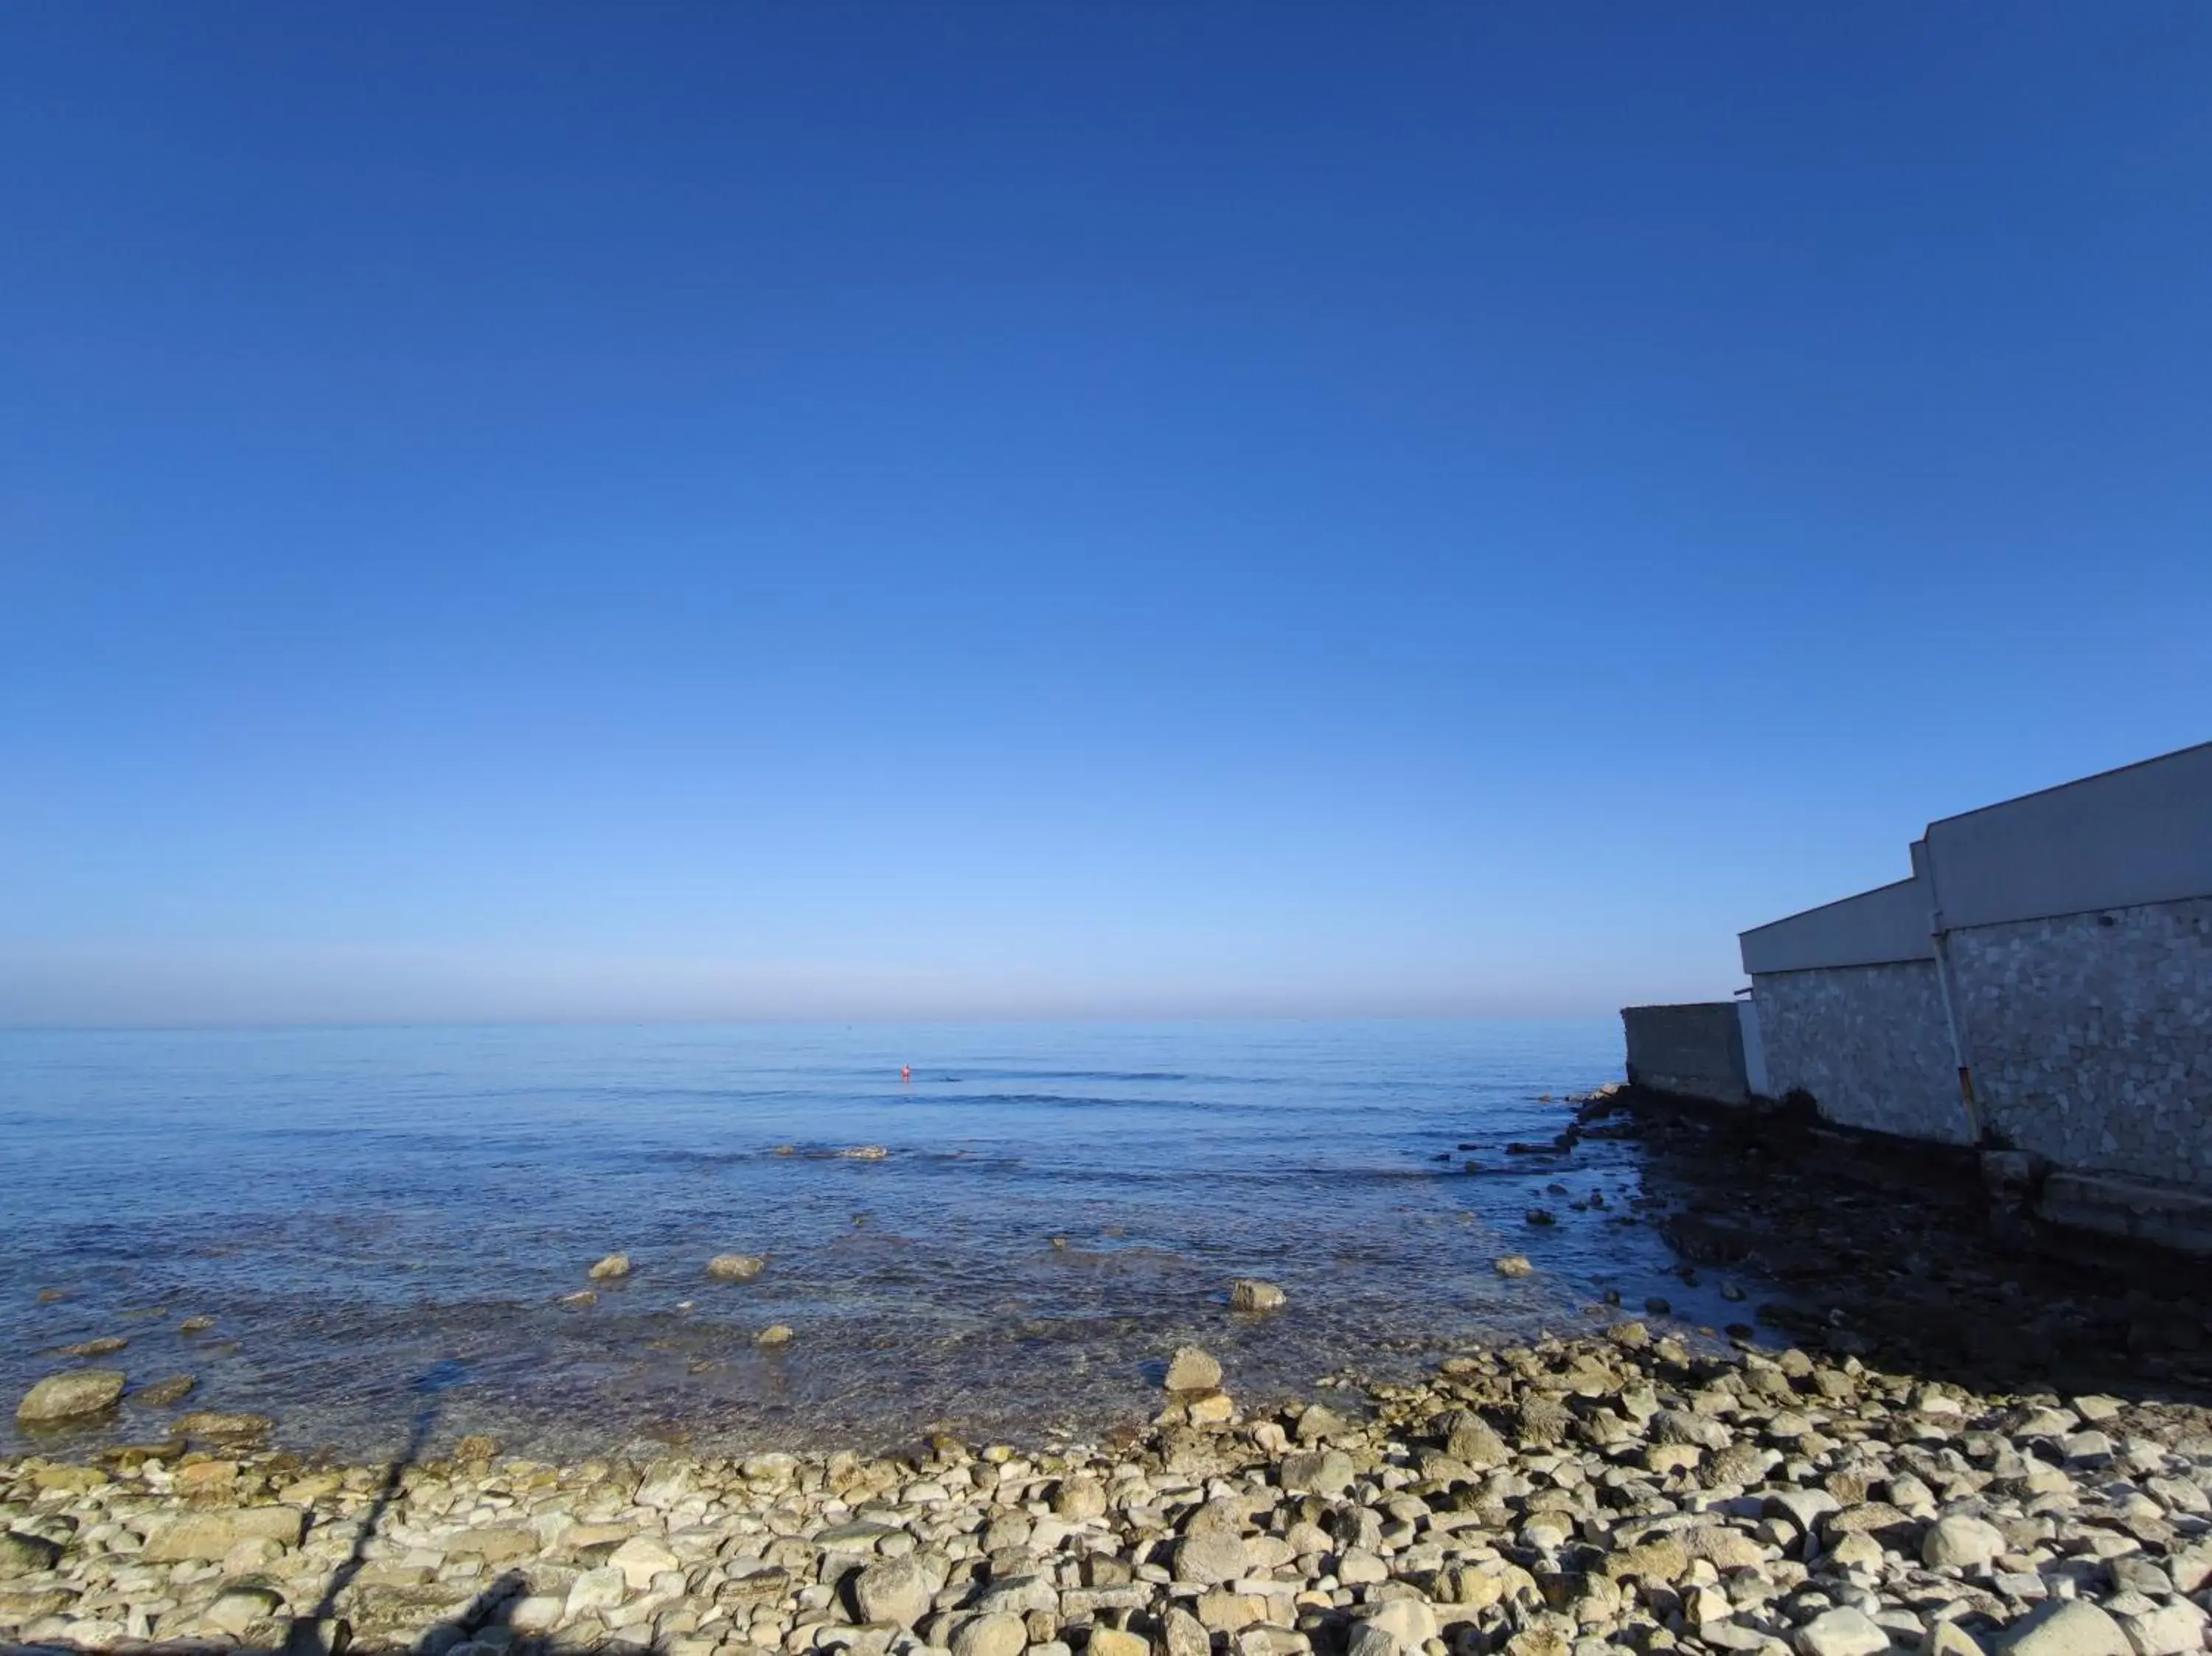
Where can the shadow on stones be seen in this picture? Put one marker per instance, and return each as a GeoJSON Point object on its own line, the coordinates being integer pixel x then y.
{"type": "Point", "coordinates": [1895, 1252]}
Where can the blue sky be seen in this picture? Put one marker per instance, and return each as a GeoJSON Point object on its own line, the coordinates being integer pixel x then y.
{"type": "Point", "coordinates": [715, 511]}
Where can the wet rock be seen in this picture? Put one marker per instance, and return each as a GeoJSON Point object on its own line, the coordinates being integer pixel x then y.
{"type": "Point", "coordinates": [579, 1300]}
{"type": "Point", "coordinates": [195, 1325]}
{"type": "Point", "coordinates": [227, 1428]}
{"type": "Point", "coordinates": [612, 1268]}
{"type": "Point", "coordinates": [1191, 1369]}
{"type": "Point", "coordinates": [736, 1267]}
{"type": "Point", "coordinates": [864, 1153]}
{"type": "Point", "coordinates": [161, 1393]}
{"type": "Point", "coordinates": [1514, 1264]}
{"type": "Point", "coordinates": [1250, 1294]}
{"type": "Point", "coordinates": [100, 1348]}
{"type": "Point", "coordinates": [776, 1334]}
{"type": "Point", "coordinates": [76, 1394]}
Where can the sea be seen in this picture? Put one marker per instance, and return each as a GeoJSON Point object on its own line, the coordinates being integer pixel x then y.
{"type": "Point", "coordinates": [381, 1227]}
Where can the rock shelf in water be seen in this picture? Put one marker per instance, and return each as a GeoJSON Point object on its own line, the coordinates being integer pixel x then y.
{"type": "Point", "coordinates": [1569, 1498]}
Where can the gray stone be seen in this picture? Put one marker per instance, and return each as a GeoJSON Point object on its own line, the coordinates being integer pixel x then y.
{"type": "Point", "coordinates": [603, 1588]}
{"type": "Point", "coordinates": [1410, 1623]}
{"type": "Point", "coordinates": [2065, 1627]}
{"type": "Point", "coordinates": [239, 1607]}
{"type": "Point", "coordinates": [893, 1590]}
{"type": "Point", "coordinates": [1842, 1632]}
{"type": "Point", "coordinates": [998, 1635]}
{"type": "Point", "coordinates": [1184, 1635]}
{"type": "Point", "coordinates": [1962, 1542]}
{"type": "Point", "coordinates": [2169, 1629]}
{"type": "Point", "coordinates": [1209, 1557]}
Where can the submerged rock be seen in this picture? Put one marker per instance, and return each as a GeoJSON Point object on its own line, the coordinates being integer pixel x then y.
{"type": "Point", "coordinates": [736, 1267]}
{"type": "Point", "coordinates": [1250, 1294]}
{"type": "Point", "coordinates": [161, 1393]}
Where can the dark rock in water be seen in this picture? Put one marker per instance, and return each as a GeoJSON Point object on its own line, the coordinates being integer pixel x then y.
{"type": "Point", "coordinates": [1658, 1307]}
{"type": "Point", "coordinates": [1250, 1294]}
{"type": "Point", "coordinates": [1540, 1217]}
{"type": "Point", "coordinates": [161, 1393]}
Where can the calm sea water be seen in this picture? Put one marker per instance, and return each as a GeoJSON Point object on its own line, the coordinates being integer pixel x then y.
{"type": "Point", "coordinates": [377, 1216]}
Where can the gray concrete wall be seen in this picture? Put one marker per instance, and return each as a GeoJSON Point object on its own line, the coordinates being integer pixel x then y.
{"type": "Point", "coordinates": [2121, 840]}
{"type": "Point", "coordinates": [1696, 1050]}
{"type": "Point", "coordinates": [1889, 923]}
{"type": "Point", "coordinates": [1867, 1044]}
{"type": "Point", "coordinates": [2091, 1037]}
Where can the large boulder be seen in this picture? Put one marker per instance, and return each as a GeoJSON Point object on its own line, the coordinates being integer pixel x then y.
{"type": "Point", "coordinates": [74, 1394]}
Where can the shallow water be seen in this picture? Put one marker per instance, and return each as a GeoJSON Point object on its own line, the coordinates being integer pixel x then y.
{"type": "Point", "coordinates": [381, 1220]}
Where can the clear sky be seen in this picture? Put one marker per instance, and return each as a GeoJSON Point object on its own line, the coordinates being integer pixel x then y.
{"type": "Point", "coordinates": [707, 511]}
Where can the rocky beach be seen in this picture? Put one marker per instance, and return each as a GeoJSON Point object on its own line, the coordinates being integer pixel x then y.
{"type": "Point", "coordinates": [1908, 1456]}
{"type": "Point", "coordinates": [1552, 1498]}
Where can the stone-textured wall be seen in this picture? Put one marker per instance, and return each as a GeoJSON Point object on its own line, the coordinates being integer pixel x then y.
{"type": "Point", "coordinates": [2091, 1037]}
{"type": "Point", "coordinates": [1868, 1043]}
{"type": "Point", "coordinates": [1696, 1050]}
